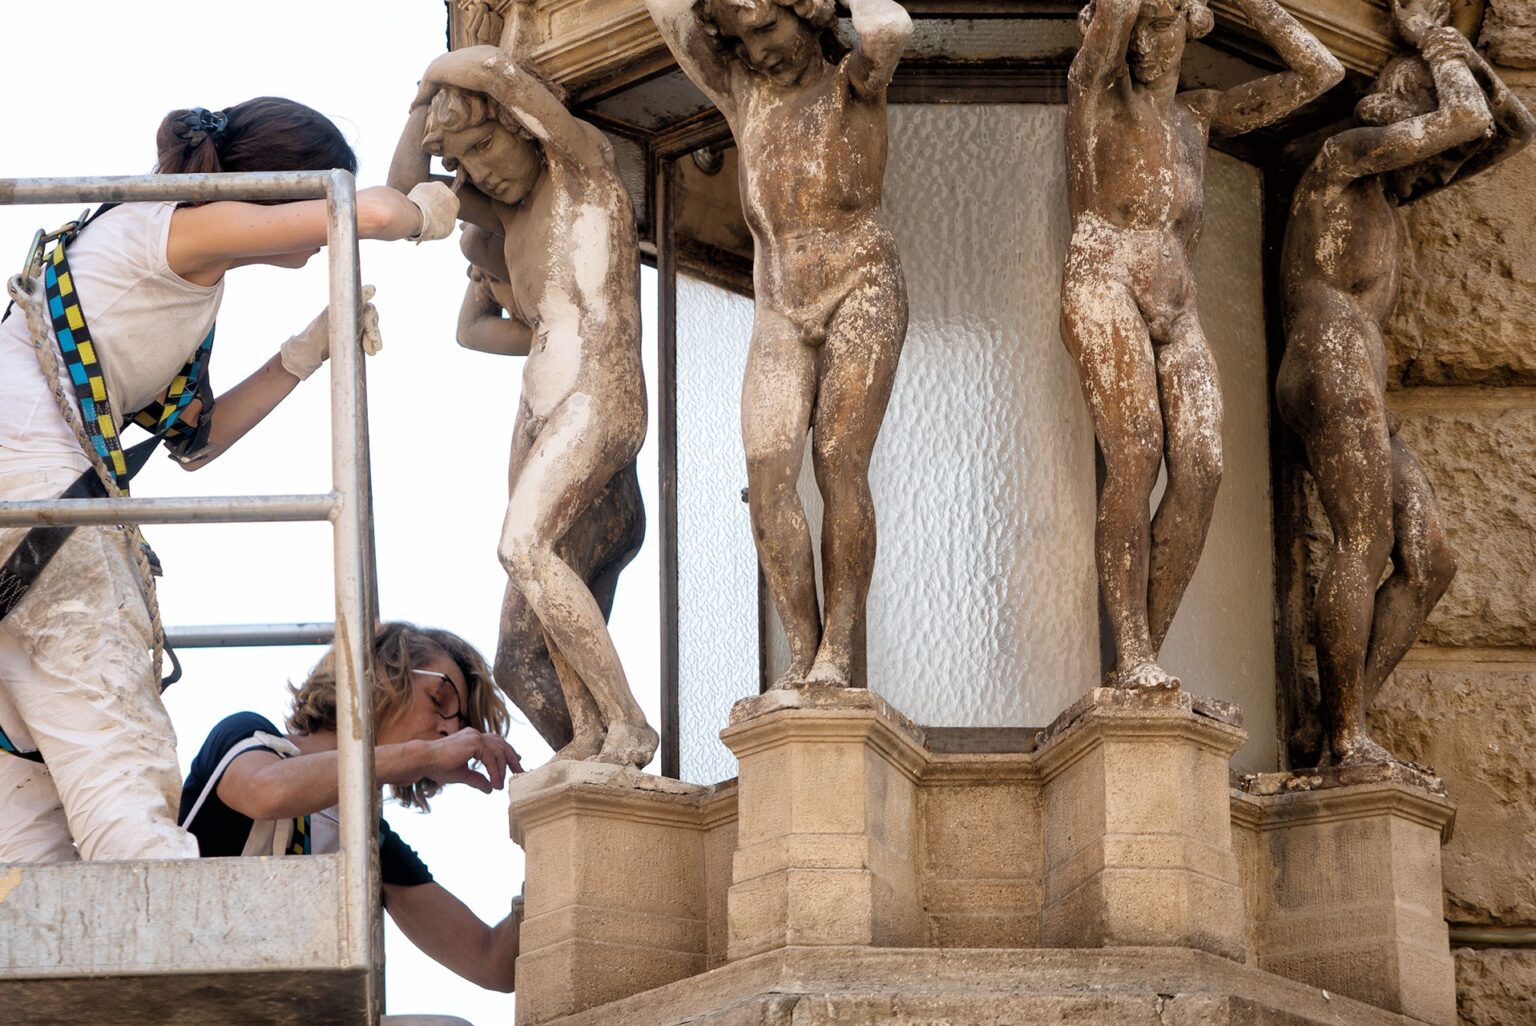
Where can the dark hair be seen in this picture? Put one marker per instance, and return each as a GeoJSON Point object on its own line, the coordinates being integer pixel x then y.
{"type": "Point", "coordinates": [818, 14]}
{"type": "Point", "coordinates": [268, 133]}
{"type": "Point", "coordinates": [398, 648]}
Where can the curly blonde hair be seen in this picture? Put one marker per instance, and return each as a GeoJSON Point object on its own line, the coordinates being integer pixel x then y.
{"type": "Point", "coordinates": [397, 649]}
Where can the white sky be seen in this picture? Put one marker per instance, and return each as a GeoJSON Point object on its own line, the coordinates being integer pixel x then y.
{"type": "Point", "coordinates": [98, 75]}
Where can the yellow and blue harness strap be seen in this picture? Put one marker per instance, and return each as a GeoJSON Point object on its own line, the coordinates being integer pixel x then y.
{"type": "Point", "coordinates": [79, 352]}
{"type": "Point", "coordinates": [302, 840]}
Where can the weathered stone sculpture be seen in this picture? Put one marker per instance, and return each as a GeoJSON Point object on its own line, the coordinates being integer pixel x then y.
{"type": "Point", "coordinates": [1135, 166]}
{"type": "Point", "coordinates": [810, 124]}
{"type": "Point", "coordinates": [552, 237]}
{"type": "Point", "coordinates": [1430, 119]}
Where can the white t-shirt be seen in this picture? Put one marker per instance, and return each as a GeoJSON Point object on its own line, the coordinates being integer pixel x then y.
{"type": "Point", "coordinates": [145, 320]}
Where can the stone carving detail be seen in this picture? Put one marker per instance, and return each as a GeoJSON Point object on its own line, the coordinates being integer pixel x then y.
{"type": "Point", "coordinates": [1135, 165]}
{"type": "Point", "coordinates": [809, 120]}
{"type": "Point", "coordinates": [1432, 117]}
{"type": "Point", "coordinates": [552, 245]}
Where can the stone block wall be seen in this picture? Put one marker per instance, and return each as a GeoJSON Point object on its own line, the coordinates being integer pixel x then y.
{"type": "Point", "coordinates": [1462, 365]}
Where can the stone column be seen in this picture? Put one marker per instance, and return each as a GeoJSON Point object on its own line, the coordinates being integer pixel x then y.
{"type": "Point", "coordinates": [615, 901]}
{"type": "Point", "coordinates": [827, 822]}
{"type": "Point", "coordinates": [1138, 831]}
{"type": "Point", "coordinates": [1355, 903]}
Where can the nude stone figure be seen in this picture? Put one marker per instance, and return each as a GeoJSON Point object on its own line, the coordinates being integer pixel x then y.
{"type": "Point", "coordinates": [1135, 176]}
{"type": "Point", "coordinates": [552, 237]}
{"type": "Point", "coordinates": [810, 124]}
{"type": "Point", "coordinates": [1431, 118]}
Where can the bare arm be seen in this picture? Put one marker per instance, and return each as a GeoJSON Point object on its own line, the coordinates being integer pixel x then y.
{"type": "Point", "coordinates": [411, 164]}
{"type": "Point", "coordinates": [486, 69]}
{"type": "Point", "coordinates": [1513, 124]}
{"type": "Point", "coordinates": [240, 409]}
{"type": "Point", "coordinates": [1312, 71]}
{"type": "Point", "coordinates": [483, 328]}
{"type": "Point", "coordinates": [208, 240]}
{"type": "Point", "coordinates": [1462, 116]}
{"type": "Point", "coordinates": [262, 785]}
{"type": "Point", "coordinates": [444, 928]}
{"type": "Point", "coordinates": [1100, 61]}
{"type": "Point", "coordinates": [700, 59]}
{"type": "Point", "coordinates": [883, 28]}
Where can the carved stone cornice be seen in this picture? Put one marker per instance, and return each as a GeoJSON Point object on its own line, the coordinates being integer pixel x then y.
{"type": "Point", "coordinates": [592, 46]}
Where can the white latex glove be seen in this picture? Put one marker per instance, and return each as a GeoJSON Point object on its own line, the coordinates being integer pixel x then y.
{"type": "Point", "coordinates": [303, 354]}
{"type": "Point", "coordinates": [439, 207]}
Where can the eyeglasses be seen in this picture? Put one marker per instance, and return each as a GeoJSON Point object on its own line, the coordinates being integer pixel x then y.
{"type": "Point", "coordinates": [445, 697]}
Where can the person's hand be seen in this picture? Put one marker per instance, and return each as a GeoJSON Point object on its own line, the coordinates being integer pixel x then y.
{"type": "Point", "coordinates": [439, 209]}
{"type": "Point", "coordinates": [450, 757]}
{"type": "Point", "coordinates": [303, 354]}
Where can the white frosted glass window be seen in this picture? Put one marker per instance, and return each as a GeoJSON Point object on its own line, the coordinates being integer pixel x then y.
{"type": "Point", "coordinates": [1222, 642]}
{"type": "Point", "coordinates": [717, 637]}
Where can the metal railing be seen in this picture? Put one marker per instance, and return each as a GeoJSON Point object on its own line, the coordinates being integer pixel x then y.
{"type": "Point", "coordinates": [346, 507]}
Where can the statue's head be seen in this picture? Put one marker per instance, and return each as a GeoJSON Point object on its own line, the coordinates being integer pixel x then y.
{"type": "Point", "coordinates": [779, 38]}
{"type": "Point", "coordinates": [480, 141]}
{"type": "Point", "coordinates": [1157, 40]}
{"type": "Point", "coordinates": [1403, 89]}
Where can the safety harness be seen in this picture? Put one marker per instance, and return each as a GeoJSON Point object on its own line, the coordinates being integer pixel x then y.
{"type": "Point", "coordinates": [58, 329]}
{"type": "Point", "coordinates": [297, 836]}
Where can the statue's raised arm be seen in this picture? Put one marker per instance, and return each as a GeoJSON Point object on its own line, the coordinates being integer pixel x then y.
{"type": "Point", "coordinates": [1310, 71]}
{"type": "Point", "coordinates": [491, 71]}
{"type": "Point", "coordinates": [702, 59]}
{"type": "Point", "coordinates": [1106, 27]}
{"type": "Point", "coordinates": [883, 28]}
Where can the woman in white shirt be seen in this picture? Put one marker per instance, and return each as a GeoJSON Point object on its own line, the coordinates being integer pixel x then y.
{"type": "Point", "coordinates": [77, 686]}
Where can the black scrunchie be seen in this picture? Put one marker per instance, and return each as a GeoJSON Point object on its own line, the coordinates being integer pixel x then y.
{"type": "Point", "coordinates": [202, 123]}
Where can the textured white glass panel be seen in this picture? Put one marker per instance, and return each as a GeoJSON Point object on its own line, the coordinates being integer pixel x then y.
{"type": "Point", "coordinates": [716, 563]}
{"type": "Point", "coordinates": [1222, 642]}
{"type": "Point", "coordinates": [983, 610]}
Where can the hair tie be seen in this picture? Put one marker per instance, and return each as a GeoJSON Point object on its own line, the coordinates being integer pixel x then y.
{"type": "Point", "coordinates": [202, 123]}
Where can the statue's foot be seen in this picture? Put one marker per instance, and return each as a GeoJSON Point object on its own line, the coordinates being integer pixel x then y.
{"type": "Point", "coordinates": [1359, 750]}
{"type": "Point", "coordinates": [584, 745]}
{"type": "Point", "coordinates": [792, 678]}
{"type": "Point", "coordinates": [630, 744]}
{"type": "Point", "coordinates": [1140, 677]}
{"type": "Point", "coordinates": [829, 673]}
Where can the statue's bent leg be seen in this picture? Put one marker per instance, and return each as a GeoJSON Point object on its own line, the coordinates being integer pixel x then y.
{"type": "Point", "coordinates": [1104, 330]}
{"type": "Point", "coordinates": [525, 673]}
{"type": "Point", "coordinates": [1333, 399]}
{"type": "Point", "coordinates": [1422, 568]}
{"type": "Point", "coordinates": [776, 399]}
{"type": "Point", "coordinates": [858, 368]}
{"type": "Point", "coordinates": [573, 458]}
{"type": "Point", "coordinates": [1192, 415]}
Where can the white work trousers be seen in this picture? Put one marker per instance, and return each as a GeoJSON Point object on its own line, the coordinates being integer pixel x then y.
{"type": "Point", "coordinates": [77, 684]}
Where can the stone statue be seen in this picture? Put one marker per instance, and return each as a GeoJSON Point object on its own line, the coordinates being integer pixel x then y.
{"type": "Point", "coordinates": [809, 121]}
{"type": "Point", "coordinates": [1135, 173]}
{"type": "Point", "coordinates": [552, 242]}
{"type": "Point", "coordinates": [1430, 119]}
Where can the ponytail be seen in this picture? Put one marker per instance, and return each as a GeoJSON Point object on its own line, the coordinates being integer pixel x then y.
{"type": "Point", "coordinates": [265, 134]}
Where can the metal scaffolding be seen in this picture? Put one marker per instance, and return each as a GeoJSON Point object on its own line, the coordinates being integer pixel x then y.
{"type": "Point", "coordinates": [347, 507]}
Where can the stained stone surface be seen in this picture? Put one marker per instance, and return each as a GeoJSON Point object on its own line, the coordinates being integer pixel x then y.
{"type": "Point", "coordinates": [1495, 987]}
{"type": "Point", "coordinates": [1509, 32]}
{"type": "Point", "coordinates": [1469, 274]}
{"type": "Point", "coordinates": [1475, 727]}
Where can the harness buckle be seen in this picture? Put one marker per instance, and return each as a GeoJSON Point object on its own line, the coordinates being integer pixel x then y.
{"type": "Point", "coordinates": [34, 265]}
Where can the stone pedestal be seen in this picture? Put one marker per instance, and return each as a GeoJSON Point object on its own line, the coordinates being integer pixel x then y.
{"type": "Point", "coordinates": [827, 827]}
{"type": "Point", "coordinates": [1355, 903]}
{"type": "Point", "coordinates": [614, 901]}
{"type": "Point", "coordinates": [1138, 834]}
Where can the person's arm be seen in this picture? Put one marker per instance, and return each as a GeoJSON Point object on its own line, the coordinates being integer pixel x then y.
{"type": "Point", "coordinates": [262, 785]}
{"type": "Point", "coordinates": [240, 409]}
{"type": "Point", "coordinates": [1462, 116]}
{"type": "Point", "coordinates": [205, 241]}
{"type": "Point", "coordinates": [883, 28]}
{"type": "Point", "coordinates": [488, 70]}
{"type": "Point", "coordinates": [701, 60]}
{"type": "Point", "coordinates": [1100, 61]}
{"type": "Point", "coordinates": [444, 928]}
{"type": "Point", "coordinates": [1310, 71]}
